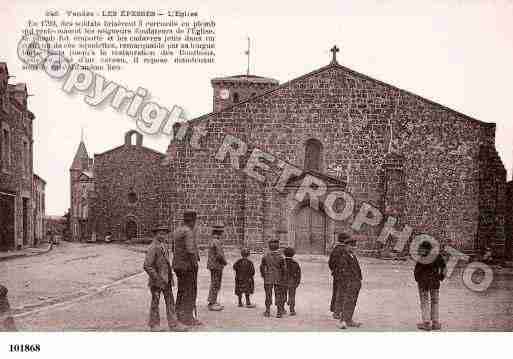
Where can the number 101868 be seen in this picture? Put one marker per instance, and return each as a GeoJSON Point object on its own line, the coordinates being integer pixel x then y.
{"type": "Point", "coordinates": [20, 348]}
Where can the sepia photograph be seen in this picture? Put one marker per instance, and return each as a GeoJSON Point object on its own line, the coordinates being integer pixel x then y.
{"type": "Point", "coordinates": [199, 168]}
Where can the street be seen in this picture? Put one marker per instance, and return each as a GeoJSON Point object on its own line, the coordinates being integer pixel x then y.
{"type": "Point", "coordinates": [102, 287]}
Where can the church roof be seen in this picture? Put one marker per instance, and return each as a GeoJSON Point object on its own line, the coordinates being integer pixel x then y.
{"type": "Point", "coordinates": [80, 155]}
{"type": "Point", "coordinates": [143, 148]}
{"type": "Point", "coordinates": [245, 78]}
{"type": "Point", "coordinates": [335, 65]}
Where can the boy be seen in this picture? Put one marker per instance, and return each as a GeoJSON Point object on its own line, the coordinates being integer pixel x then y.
{"type": "Point", "coordinates": [428, 275]}
{"type": "Point", "coordinates": [347, 274]}
{"type": "Point", "coordinates": [271, 271]}
{"type": "Point", "coordinates": [244, 282]}
{"type": "Point", "coordinates": [291, 277]}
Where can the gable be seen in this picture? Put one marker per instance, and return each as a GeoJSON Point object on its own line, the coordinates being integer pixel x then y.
{"type": "Point", "coordinates": [122, 150]}
{"type": "Point", "coordinates": [310, 81]}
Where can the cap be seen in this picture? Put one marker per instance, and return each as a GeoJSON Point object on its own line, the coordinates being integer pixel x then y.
{"type": "Point", "coordinates": [189, 216]}
{"type": "Point", "coordinates": [289, 252]}
{"type": "Point", "coordinates": [345, 238]}
{"type": "Point", "coordinates": [161, 228]}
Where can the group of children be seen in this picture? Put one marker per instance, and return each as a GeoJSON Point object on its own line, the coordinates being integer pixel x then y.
{"type": "Point", "coordinates": [281, 275]}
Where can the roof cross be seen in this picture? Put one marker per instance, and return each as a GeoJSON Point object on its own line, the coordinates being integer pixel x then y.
{"type": "Point", "coordinates": [247, 53]}
{"type": "Point", "coordinates": [334, 51]}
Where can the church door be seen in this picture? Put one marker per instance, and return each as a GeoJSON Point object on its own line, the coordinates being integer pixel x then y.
{"type": "Point", "coordinates": [131, 229]}
{"type": "Point", "coordinates": [310, 231]}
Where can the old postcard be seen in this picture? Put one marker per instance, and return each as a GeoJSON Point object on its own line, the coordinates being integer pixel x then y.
{"type": "Point", "coordinates": [192, 167]}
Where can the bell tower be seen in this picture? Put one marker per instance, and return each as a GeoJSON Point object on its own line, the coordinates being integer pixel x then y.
{"type": "Point", "coordinates": [229, 91]}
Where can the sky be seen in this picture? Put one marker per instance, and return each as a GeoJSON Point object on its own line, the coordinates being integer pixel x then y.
{"type": "Point", "coordinates": [454, 52]}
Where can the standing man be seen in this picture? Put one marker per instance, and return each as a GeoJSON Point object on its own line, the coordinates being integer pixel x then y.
{"type": "Point", "coordinates": [334, 255]}
{"type": "Point", "coordinates": [348, 275]}
{"type": "Point", "coordinates": [185, 265]}
{"type": "Point", "coordinates": [429, 272]}
{"type": "Point", "coordinates": [158, 267]}
{"type": "Point", "coordinates": [215, 263]}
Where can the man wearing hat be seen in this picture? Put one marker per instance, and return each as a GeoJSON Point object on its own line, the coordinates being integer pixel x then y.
{"type": "Point", "coordinates": [185, 265]}
{"type": "Point", "coordinates": [215, 263]}
{"type": "Point", "coordinates": [158, 267]}
{"type": "Point", "coordinates": [347, 277]}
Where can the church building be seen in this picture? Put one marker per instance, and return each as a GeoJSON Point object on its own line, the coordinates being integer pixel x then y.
{"type": "Point", "coordinates": [432, 168]}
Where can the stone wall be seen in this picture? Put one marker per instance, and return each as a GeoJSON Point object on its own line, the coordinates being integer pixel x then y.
{"type": "Point", "coordinates": [38, 196]}
{"type": "Point", "coordinates": [16, 160]}
{"type": "Point", "coordinates": [508, 225]}
{"type": "Point", "coordinates": [127, 187]}
{"type": "Point", "coordinates": [357, 120]}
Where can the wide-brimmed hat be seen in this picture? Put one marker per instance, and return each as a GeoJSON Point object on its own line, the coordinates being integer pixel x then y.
{"type": "Point", "coordinates": [345, 238]}
{"type": "Point", "coordinates": [161, 228]}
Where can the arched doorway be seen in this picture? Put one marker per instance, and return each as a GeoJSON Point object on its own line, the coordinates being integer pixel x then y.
{"type": "Point", "coordinates": [310, 231]}
{"type": "Point", "coordinates": [131, 229]}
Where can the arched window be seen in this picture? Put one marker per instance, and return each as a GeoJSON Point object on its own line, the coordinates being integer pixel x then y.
{"type": "Point", "coordinates": [133, 139]}
{"type": "Point", "coordinates": [313, 151]}
{"type": "Point", "coordinates": [235, 97]}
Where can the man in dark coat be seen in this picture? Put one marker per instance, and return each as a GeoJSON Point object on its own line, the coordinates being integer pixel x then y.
{"type": "Point", "coordinates": [348, 275]}
{"type": "Point", "coordinates": [185, 265]}
{"type": "Point", "coordinates": [428, 274]}
{"type": "Point", "coordinates": [291, 278]}
{"type": "Point", "coordinates": [158, 267]}
{"type": "Point", "coordinates": [335, 253]}
{"type": "Point", "coordinates": [215, 263]}
{"type": "Point", "coordinates": [244, 282]}
{"type": "Point", "coordinates": [271, 272]}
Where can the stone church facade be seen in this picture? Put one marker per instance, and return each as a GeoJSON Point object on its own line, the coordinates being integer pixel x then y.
{"type": "Point", "coordinates": [431, 167]}
{"type": "Point", "coordinates": [117, 192]}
